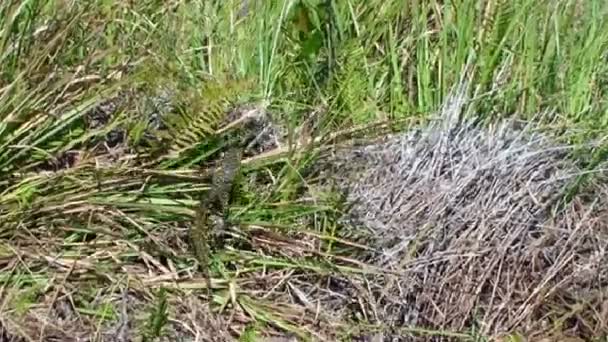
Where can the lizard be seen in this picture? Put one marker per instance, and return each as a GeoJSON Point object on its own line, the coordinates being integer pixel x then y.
{"type": "Point", "coordinates": [203, 231]}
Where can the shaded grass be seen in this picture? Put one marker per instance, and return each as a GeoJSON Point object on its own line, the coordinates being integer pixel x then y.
{"type": "Point", "coordinates": [354, 62]}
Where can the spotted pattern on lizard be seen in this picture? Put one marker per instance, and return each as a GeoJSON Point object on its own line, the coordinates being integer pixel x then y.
{"type": "Point", "coordinates": [215, 203]}
{"type": "Point", "coordinates": [241, 135]}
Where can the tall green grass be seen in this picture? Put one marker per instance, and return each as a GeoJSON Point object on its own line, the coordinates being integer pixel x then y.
{"type": "Point", "coordinates": [362, 61]}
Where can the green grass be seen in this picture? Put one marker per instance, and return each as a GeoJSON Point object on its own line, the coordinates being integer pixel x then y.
{"type": "Point", "coordinates": [357, 62]}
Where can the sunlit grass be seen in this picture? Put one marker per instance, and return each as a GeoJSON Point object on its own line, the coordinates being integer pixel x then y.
{"type": "Point", "coordinates": [360, 61]}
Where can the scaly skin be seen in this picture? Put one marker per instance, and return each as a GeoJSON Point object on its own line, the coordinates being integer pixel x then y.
{"type": "Point", "coordinates": [199, 238]}
{"type": "Point", "coordinates": [215, 203]}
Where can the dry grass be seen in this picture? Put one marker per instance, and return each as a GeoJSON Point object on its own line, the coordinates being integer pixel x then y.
{"type": "Point", "coordinates": [469, 222]}
{"type": "Point", "coordinates": [450, 227]}
{"type": "Point", "coordinates": [111, 114]}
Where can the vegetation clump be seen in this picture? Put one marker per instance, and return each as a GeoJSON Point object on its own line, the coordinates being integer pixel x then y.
{"type": "Point", "coordinates": [470, 224]}
{"type": "Point", "coordinates": [115, 114]}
